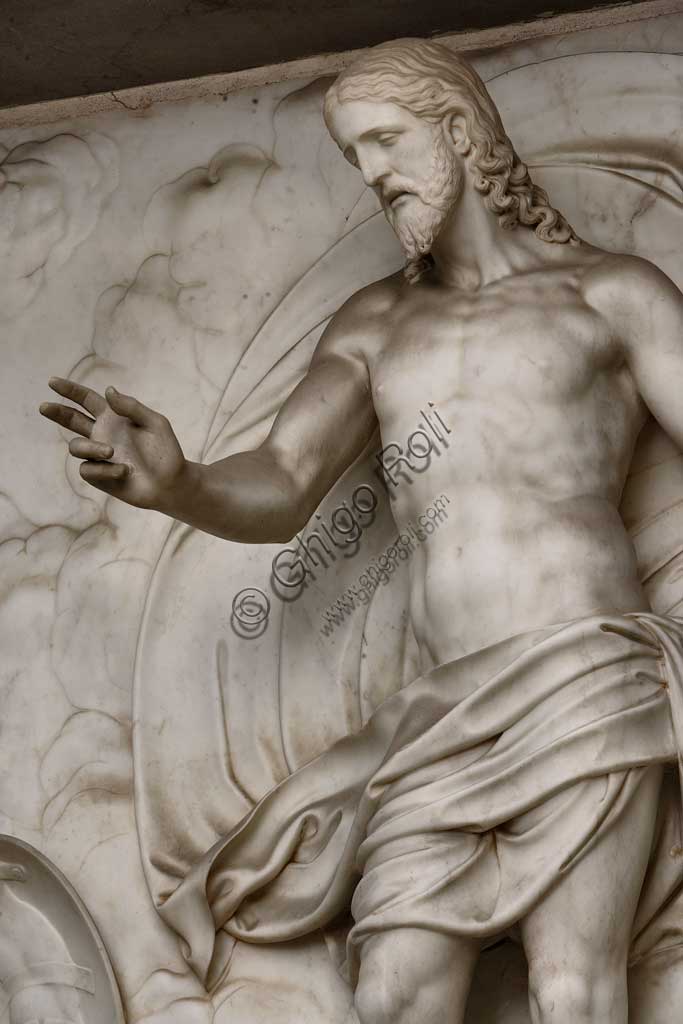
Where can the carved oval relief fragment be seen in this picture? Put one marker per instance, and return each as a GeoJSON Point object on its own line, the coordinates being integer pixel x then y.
{"type": "Point", "coordinates": [53, 963]}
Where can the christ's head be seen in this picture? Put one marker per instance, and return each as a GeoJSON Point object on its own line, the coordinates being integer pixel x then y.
{"type": "Point", "coordinates": [420, 125]}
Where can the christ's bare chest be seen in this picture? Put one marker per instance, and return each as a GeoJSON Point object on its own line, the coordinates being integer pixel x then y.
{"type": "Point", "coordinates": [509, 354]}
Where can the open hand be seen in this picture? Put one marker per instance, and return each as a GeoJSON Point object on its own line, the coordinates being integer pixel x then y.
{"type": "Point", "coordinates": [130, 451]}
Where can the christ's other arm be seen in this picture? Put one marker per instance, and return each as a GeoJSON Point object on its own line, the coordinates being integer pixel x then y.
{"type": "Point", "coordinates": [644, 309]}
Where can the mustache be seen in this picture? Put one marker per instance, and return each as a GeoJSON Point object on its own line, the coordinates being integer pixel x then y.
{"type": "Point", "coordinates": [387, 194]}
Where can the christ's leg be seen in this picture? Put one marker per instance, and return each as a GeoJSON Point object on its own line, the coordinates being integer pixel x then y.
{"type": "Point", "coordinates": [577, 939]}
{"type": "Point", "coordinates": [410, 975]}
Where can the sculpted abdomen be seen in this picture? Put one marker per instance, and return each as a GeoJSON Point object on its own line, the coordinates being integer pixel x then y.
{"type": "Point", "coordinates": [542, 415]}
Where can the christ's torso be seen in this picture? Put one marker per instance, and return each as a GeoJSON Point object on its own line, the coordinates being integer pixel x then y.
{"type": "Point", "coordinates": [543, 417]}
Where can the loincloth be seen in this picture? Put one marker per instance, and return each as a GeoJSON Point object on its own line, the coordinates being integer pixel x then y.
{"type": "Point", "coordinates": [476, 884]}
{"type": "Point", "coordinates": [462, 800]}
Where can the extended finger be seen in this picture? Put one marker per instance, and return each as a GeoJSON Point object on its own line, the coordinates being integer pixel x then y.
{"type": "Point", "coordinates": [89, 399]}
{"type": "Point", "coordinates": [126, 405]}
{"type": "Point", "coordinates": [103, 472]}
{"type": "Point", "coordinates": [83, 449]}
{"type": "Point", "coordinates": [68, 417]}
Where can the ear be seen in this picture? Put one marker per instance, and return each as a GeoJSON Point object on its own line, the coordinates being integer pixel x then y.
{"type": "Point", "coordinates": [457, 130]}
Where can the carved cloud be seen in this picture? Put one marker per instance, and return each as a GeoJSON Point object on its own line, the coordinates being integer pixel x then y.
{"type": "Point", "coordinates": [51, 195]}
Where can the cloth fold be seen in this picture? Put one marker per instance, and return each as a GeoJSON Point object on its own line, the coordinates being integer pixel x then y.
{"type": "Point", "coordinates": [485, 778]}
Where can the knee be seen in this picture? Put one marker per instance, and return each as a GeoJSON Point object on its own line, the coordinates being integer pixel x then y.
{"type": "Point", "coordinates": [558, 995]}
{"type": "Point", "coordinates": [378, 1003]}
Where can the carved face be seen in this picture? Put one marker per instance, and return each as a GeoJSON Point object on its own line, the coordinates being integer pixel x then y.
{"type": "Point", "coordinates": [408, 163]}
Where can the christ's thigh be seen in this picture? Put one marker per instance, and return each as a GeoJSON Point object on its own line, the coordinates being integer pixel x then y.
{"type": "Point", "coordinates": [414, 976]}
{"type": "Point", "coordinates": [577, 939]}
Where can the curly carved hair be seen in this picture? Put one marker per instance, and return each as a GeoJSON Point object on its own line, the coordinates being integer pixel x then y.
{"type": "Point", "coordinates": [432, 82]}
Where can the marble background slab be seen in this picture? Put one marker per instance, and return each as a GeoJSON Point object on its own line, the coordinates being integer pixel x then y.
{"type": "Point", "coordinates": [148, 250]}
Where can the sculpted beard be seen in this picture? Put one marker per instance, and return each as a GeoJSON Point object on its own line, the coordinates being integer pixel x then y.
{"type": "Point", "coordinates": [418, 222]}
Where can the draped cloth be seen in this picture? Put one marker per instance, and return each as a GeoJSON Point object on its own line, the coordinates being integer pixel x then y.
{"type": "Point", "coordinates": [421, 811]}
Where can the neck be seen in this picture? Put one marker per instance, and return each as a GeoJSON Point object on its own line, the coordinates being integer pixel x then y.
{"type": "Point", "coordinates": [473, 250]}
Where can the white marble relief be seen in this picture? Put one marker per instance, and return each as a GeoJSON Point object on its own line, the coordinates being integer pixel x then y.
{"type": "Point", "coordinates": [51, 194]}
{"type": "Point", "coordinates": [268, 730]}
{"type": "Point", "coordinates": [233, 267]}
{"type": "Point", "coordinates": [54, 966]}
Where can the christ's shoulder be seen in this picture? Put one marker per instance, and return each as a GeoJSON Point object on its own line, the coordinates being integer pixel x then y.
{"type": "Point", "coordinates": [362, 323]}
{"type": "Point", "coordinates": [626, 288]}
{"type": "Point", "coordinates": [376, 300]}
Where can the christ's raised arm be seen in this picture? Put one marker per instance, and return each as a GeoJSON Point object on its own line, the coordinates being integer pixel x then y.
{"type": "Point", "coordinates": [265, 495]}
